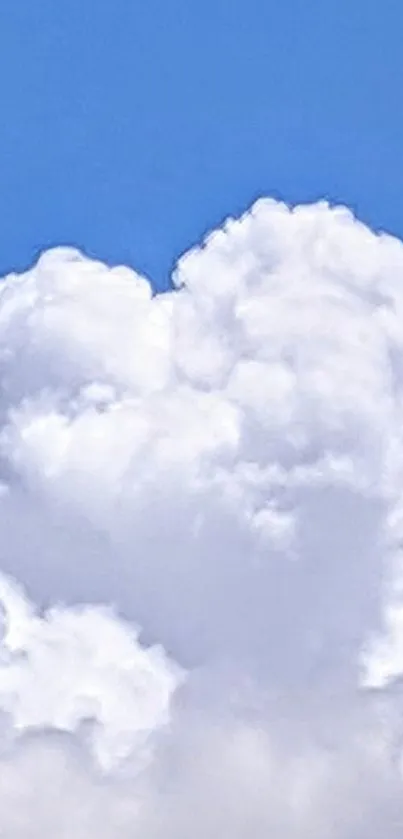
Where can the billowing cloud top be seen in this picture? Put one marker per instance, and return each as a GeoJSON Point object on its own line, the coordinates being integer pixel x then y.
{"type": "Point", "coordinates": [201, 530]}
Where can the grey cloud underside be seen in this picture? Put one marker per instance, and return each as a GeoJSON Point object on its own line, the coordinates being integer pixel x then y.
{"type": "Point", "coordinates": [201, 530]}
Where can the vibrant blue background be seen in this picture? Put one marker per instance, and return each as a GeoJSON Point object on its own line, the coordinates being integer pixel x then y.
{"type": "Point", "coordinates": [130, 127]}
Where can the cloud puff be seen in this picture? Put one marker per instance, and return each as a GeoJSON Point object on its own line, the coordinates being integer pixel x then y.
{"type": "Point", "coordinates": [72, 666]}
{"type": "Point", "coordinates": [222, 464]}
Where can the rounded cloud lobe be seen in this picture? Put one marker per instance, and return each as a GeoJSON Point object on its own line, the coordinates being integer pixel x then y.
{"type": "Point", "coordinates": [201, 538]}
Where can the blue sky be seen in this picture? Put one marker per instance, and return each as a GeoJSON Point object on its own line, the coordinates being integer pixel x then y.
{"type": "Point", "coordinates": [130, 128]}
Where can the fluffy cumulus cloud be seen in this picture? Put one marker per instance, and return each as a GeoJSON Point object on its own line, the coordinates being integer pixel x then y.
{"type": "Point", "coordinates": [201, 539]}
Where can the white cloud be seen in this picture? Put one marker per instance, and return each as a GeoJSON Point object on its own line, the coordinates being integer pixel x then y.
{"type": "Point", "coordinates": [223, 464]}
{"type": "Point", "coordinates": [70, 666]}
